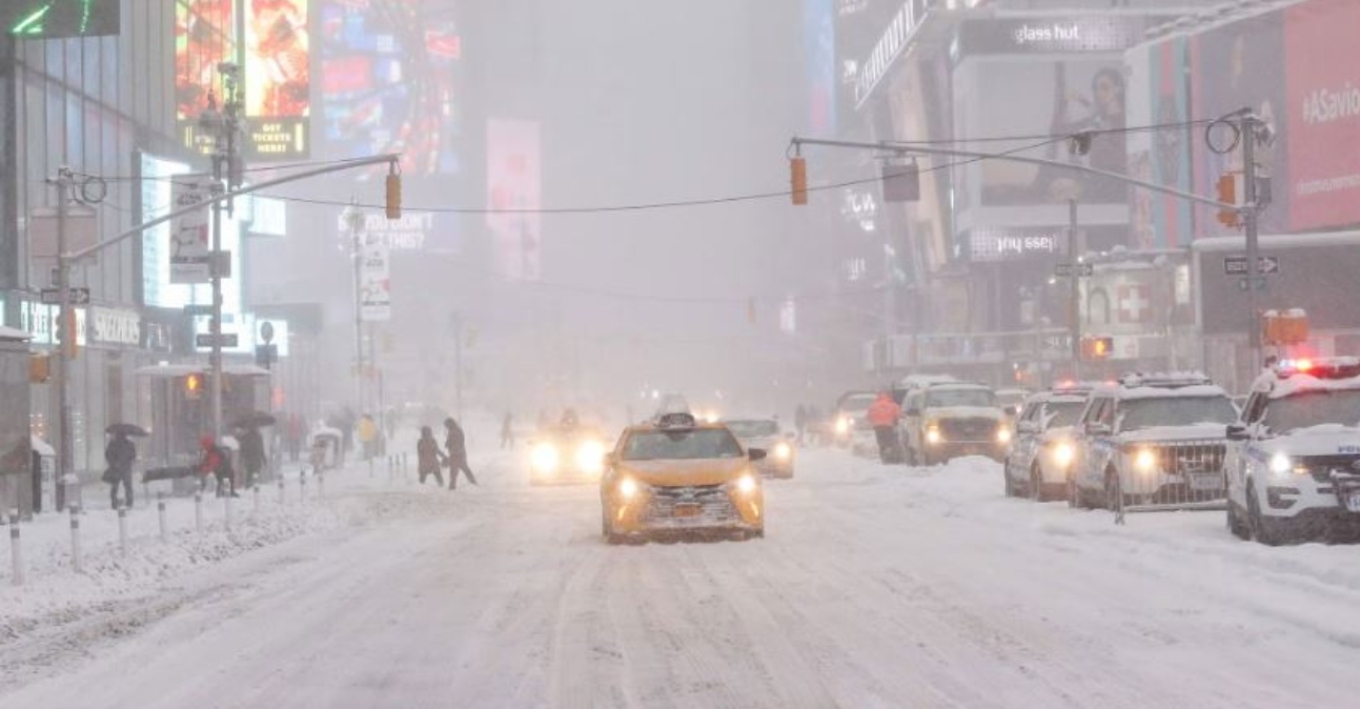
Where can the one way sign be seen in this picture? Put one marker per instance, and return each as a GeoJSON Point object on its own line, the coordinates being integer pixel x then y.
{"type": "Point", "coordinates": [1237, 265]}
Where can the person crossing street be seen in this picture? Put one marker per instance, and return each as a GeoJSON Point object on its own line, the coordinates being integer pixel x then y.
{"type": "Point", "coordinates": [455, 445]}
{"type": "Point", "coordinates": [883, 415]}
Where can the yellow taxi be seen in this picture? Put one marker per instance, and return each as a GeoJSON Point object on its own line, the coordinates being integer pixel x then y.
{"type": "Point", "coordinates": [675, 474]}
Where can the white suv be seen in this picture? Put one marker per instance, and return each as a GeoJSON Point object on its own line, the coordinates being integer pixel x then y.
{"type": "Point", "coordinates": [1152, 441]}
{"type": "Point", "coordinates": [1293, 461]}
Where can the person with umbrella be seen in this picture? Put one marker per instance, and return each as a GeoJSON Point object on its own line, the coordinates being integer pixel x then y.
{"type": "Point", "coordinates": [456, 444]}
{"type": "Point", "coordinates": [120, 454]}
{"type": "Point", "coordinates": [252, 444]}
{"type": "Point", "coordinates": [214, 460]}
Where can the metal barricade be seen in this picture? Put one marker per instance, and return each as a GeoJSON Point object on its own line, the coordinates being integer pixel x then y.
{"type": "Point", "coordinates": [1179, 475]}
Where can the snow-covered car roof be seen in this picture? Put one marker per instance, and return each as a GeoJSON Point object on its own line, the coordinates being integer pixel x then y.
{"type": "Point", "coordinates": [1302, 383]}
{"type": "Point", "coordinates": [1158, 392]}
{"type": "Point", "coordinates": [954, 385]}
{"type": "Point", "coordinates": [913, 381]}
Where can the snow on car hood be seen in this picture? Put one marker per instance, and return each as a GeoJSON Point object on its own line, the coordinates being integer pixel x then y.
{"type": "Point", "coordinates": [680, 473]}
{"type": "Point", "coordinates": [963, 412]}
{"type": "Point", "coordinates": [1197, 431]}
{"type": "Point", "coordinates": [1327, 439]}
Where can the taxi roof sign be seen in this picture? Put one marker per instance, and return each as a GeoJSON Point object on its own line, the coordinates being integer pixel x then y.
{"type": "Point", "coordinates": [676, 420]}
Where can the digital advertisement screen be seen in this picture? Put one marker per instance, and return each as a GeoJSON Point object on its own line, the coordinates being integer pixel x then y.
{"type": "Point", "coordinates": [278, 80]}
{"type": "Point", "coordinates": [391, 82]}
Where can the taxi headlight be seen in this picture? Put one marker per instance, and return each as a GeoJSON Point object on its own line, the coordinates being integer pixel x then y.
{"type": "Point", "coordinates": [783, 451]}
{"type": "Point", "coordinates": [590, 456]}
{"type": "Point", "coordinates": [843, 425]}
{"type": "Point", "coordinates": [1063, 454]}
{"type": "Point", "coordinates": [746, 484]}
{"type": "Point", "coordinates": [544, 458]}
{"type": "Point", "coordinates": [629, 488]}
{"type": "Point", "coordinates": [1003, 435]}
{"type": "Point", "coordinates": [933, 434]}
{"type": "Point", "coordinates": [1145, 460]}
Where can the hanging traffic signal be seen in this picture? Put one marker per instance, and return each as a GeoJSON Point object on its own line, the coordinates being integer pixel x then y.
{"type": "Point", "coordinates": [1227, 194]}
{"type": "Point", "coordinates": [798, 178]}
{"type": "Point", "coordinates": [1097, 347]}
{"type": "Point", "coordinates": [193, 387]}
{"type": "Point", "coordinates": [393, 196]}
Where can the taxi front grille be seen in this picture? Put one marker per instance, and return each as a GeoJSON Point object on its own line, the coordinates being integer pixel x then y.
{"type": "Point", "coordinates": [1322, 466]}
{"type": "Point", "coordinates": [675, 503]}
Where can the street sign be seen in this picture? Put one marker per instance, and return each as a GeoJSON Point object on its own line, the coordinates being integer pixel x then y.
{"type": "Point", "coordinates": [198, 310]}
{"type": "Point", "coordinates": [79, 296]}
{"type": "Point", "coordinates": [226, 340]}
{"type": "Point", "coordinates": [1080, 270]}
{"type": "Point", "coordinates": [1237, 265]}
{"type": "Point", "coordinates": [1243, 284]}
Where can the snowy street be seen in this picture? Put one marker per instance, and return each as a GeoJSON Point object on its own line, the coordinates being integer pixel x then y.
{"type": "Point", "coordinates": [874, 587]}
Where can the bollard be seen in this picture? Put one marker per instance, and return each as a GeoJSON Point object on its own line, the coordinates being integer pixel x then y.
{"type": "Point", "coordinates": [160, 511]}
{"type": "Point", "coordinates": [281, 500]}
{"type": "Point", "coordinates": [256, 491]}
{"type": "Point", "coordinates": [226, 507]}
{"type": "Point", "coordinates": [370, 467]}
{"type": "Point", "coordinates": [302, 486]}
{"type": "Point", "coordinates": [122, 530]}
{"type": "Point", "coordinates": [75, 538]}
{"type": "Point", "coordinates": [198, 511]}
{"type": "Point", "coordinates": [320, 485]}
{"type": "Point", "coordinates": [16, 553]}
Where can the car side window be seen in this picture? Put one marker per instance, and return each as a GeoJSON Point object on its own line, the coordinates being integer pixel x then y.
{"type": "Point", "coordinates": [1107, 411]}
{"type": "Point", "coordinates": [1031, 412]}
{"type": "Point", "coordinates": [1255, 410]}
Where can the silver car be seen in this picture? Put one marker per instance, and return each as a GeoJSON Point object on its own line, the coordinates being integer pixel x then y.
{"type": "Point", "coordinates": [764, 434]}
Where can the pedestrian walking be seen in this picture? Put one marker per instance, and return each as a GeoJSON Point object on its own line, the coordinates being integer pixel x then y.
{"type": "Point", "coordinates": [295, 431]}
{"type": "Point", "coordinates": [216, 461]}
{"type": "Point", "coordinates": [429, 458]}
{"type": "Point", "coordinates": [252, 454]}
{"type": "Point", "coordinates": [508, 431]}
{"type": "Point", "coordinates": [120, 454]}
{"type": "Point", "coordinates": [883, 415]}
{"type": "Point", "coordinates": [455, 445]}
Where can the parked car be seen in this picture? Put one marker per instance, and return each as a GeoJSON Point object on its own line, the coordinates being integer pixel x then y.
{"type": "Point", "coordinates": [1042, 450]}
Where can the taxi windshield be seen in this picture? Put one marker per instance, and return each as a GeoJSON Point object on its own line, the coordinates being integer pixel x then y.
{"type": "Point", "coordinates": [691, 444]}
{"type": "Point", "coordinates": [1314, 408]}
{"type": "Point", "coordinates": [1063, 413]}
{"type": "Point", "coordinates": [753, 429]}
{"type": "Point", "coordinates": [1176, 411]}
{"type": "Point", "coordinates": [961, 397]}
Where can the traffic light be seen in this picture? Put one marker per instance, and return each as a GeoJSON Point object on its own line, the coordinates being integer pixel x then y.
{"type": "Point", "coordinates": [193, 387]}
{"type": "Point", "coordinates": [798, 178]}
{"type": "Point", "coordinates": [1097, 347]}
{"type": "Point", "coordinates": [1227, 194]}
{"type": "Point", "coordinates": [393, 196]}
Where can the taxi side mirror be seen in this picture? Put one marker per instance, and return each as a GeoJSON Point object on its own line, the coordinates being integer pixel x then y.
{"type": "Point", "coordinates": [1237, 432]}
{"type": "Point", "coordinates": [756, 454]}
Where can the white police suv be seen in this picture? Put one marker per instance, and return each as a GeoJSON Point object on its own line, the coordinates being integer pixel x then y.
{"type": "Point", "coordinates": [1152, 441]}
{"type": "Point", "coordinates": [1042, 449]}
{"type": "Point", "coordinates": [1293, 460]}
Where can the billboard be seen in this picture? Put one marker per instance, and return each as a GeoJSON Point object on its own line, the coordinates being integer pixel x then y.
{"type": "Point", "coordinates": [390, 73]}
{"type": "Point", "coordinates": [190, 234]}
{"type": "Point", "coordinates": [1235, 66]}
{"type": "Point", "coordinates": [204, 31]}
{"type": "Point", "coordinates": [514, 191]}
{"type": "Point", "coordinates": [1159, 93]}
{"type": "Point", "coordinates": [277, 78]}
{"type": "Point", "coordinates": [1322, 115]}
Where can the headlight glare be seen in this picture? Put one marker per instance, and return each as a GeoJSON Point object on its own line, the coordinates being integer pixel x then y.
{"type": "Point", "coordinates": [933, 434]}
{"type": "Point", "coordinates": [1003, 435]}
{"type": "Point", "coordinates": [1063, 454]}
{"type": "Point", "coordinates": [628, 487]}
{"type": "Point", "coordinates": [1145, 460]}
{"type": "Point", "coordinates": [1280, 464]}
{"type": "Point", "coordinates": [843, 425]}
{"type": "Point", "coordinates": [746, 484]}
{"type": "Point", "coordinates": [590, 456]}
{"type": "Point", "coordinates": [544, 458]}
{"type": "Point", "coordinates": [783, 451]}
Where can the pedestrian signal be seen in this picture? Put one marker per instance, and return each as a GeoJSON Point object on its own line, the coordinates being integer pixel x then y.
{"type": "Point", "coordinates": [193, 386]}
{"type": "Point", "coordinates": [798, 178]}
{"type": "Point", "coordinates": [1097, 347]}
{"type": "Point", "coordinates": [1227, 194]}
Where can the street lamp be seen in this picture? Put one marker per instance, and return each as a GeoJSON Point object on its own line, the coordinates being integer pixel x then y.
{"type": "Point", "coordinates": [353, 218]}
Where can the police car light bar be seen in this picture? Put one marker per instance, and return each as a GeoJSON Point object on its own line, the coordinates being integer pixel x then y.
{"type": "Point", "coordinates": [1164, 379]}
{"type": "Point", "coordinates": [1321, 367]}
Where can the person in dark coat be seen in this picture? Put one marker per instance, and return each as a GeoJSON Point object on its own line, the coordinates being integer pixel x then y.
{"type": "Point", "coordinates": [455, 444]}
{"type": "Point", "coordinates": [120, 454]}
{"type": "Point", "coordinates": [216, 461]}
{"type": "Point", "coordinates": [252, 454]}
{"type": "Point", "coordinates": [429, 458]}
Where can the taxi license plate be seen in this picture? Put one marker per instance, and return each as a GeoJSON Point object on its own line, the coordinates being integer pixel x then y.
{"type": "Point", "coordinates": [688, 510]}
{"type": "Point", "coordinates": [1206, 481]}
{"type": "Point", "coordinates": [1353, 501]}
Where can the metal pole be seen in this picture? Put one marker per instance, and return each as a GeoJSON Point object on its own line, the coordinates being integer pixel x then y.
{"type": "Point", "coordinates": [16, 552]}
{"type": "Point", "coordinates": [1249, 215]}
{"type": "Point", "coordinates": [75, 538]}
{"type": "Point", "coordinates": [160, 512]}
{"type": "Point", "coordinates": [122, 530]}
{"type": "Point", "coordinates": [358, 315]}
{"type": "Point", "coordinates": [65, 342]}
{"type": "Point", "coordinates": [198, 511]}
{"type": "Point", "coordinates": [1075, 316]}
{"type": "Point", "coordinates": [216, 325]}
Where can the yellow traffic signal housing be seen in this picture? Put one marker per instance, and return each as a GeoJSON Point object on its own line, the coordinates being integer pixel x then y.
{"type": "Point", "coordinates": [394, 196]}
{"type": "Point", "coordinates": [798, 180]}
{"type": "Point", "coordinates": [193, 387]}
{"type": "Point", "coordinates": [39, 368]}
{"type": "Point", "coordinates": [1097, 347]}
{"type": "Point", "coordinates": [1227, 194]}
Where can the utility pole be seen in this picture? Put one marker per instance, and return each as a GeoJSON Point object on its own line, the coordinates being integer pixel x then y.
{"type": "Point", "coordinates": [354, 220]}
{"type": "Point", "coordinates": [225, 126]}
{"type": "Point", "coordinates": [1074, 257]}
{"type": "Point", "coordinates": [1248, 127]}
{"type": "Point", "coordinates": [64, 182]}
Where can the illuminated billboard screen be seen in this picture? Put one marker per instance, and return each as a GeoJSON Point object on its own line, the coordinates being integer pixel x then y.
{"type": "Point", "coordinates": [390, 82]}
{"type": "Point", "coordinates": [276, 72]}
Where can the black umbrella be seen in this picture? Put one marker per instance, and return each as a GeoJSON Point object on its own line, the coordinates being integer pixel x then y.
{"type": "Point", "coordinates": [126, 429]}
{"type": "Point", "coordinates": [258, 419]}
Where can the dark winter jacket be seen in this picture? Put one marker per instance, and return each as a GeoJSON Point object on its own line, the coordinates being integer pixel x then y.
{"type": "Point", "coordinates": [456, 443]}
{"type": "Point", "coordinates": [427, 454]}
{"type": "Point", "coordinates": [120, 454]}
{"type": "Point", "coordinates": [252, 449]}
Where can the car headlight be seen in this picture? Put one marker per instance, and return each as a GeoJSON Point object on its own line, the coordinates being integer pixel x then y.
{"type": "Point", "coordinates": [933, 434]}
{"type": "Point", "coordinates": [629, 488]}
{"type": "Point", "coordinates": [1282, 465]}
{"type": "Point", "coordinates": [544, 458]}
{"type": "Point", "coordinates": [1145, 460]}
{"type": "Point", "coordinates": [590, 456]}
{"type": "Point", "coordinates": [783, 451]}
{"type": "Point", "coordinates": [746, 484]}
{"type": "Point", "coordinates": [843, 425]}
{"type": "Point", "coordinates": [1063, 454]}
{"type": "Point", "coordinates": [1003, 435]}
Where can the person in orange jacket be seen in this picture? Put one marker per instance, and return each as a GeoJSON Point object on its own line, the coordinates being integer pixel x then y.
{"type": "Point", "coordinates": [883, 415]}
